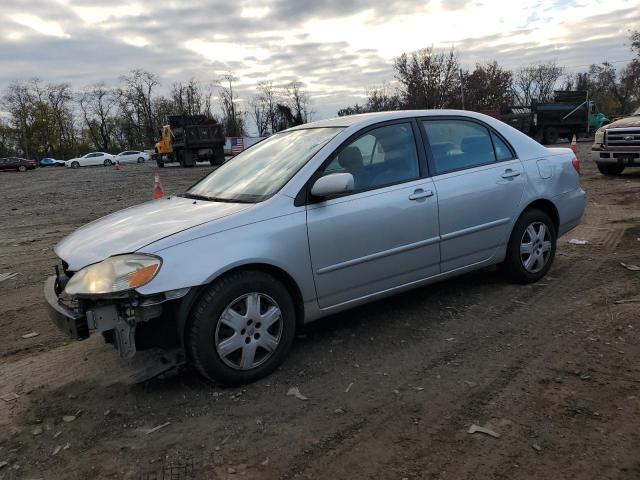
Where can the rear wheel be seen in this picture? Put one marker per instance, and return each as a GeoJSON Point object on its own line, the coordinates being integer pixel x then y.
{"type": "Point", "coordinates": [242, 328]}
{"type": "Point", "coordinates": [531, 248]}
{"type": "Point", "coordinates": [610, 169]}
{"type": "Point", "coordinates": [140, 159]}
{"type": "Point", "coordinates": [107, 163]}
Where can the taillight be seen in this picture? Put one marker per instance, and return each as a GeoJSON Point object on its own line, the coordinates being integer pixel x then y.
{"type": "Point", "coordinates": [576, 164]}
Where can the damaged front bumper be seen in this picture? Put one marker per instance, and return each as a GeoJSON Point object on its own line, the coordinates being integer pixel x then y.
{"type": "Point", "coordinates": [116, 317]}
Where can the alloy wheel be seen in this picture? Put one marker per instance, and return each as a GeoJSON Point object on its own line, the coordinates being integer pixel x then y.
{"type": "Point", "coordinates": [535, 247]}
{"type": "Point", "coordinates": [248, 331]}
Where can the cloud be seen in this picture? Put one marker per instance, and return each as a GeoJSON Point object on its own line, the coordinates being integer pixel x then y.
{"type": "Point", "coordinates": [338, 48]}
{"type": "Point", "coordinates": [38, 25]}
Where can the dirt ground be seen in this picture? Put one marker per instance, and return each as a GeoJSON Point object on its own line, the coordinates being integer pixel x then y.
{"type": "Point", "coordinates": [392, 387]}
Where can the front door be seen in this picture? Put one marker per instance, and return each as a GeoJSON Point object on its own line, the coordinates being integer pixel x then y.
{"type": "Point", "coordinates": [385, 233]}
{"type": "Point", "coordinates": [480, 184]}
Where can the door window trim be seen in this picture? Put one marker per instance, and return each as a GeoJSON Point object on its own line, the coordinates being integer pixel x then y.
{"type": "Point", "coordinates": [304, 195]}
{"type": "Point", "coordinates": [492, 131]}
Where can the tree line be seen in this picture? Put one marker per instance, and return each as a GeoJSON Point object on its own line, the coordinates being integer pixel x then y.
{"type": "Point", "coordinates": [427, 79]}
{"type": "Point", "coordinates": [52, 119]}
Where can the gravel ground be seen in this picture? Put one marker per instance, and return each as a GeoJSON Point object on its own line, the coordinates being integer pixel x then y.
{"type": "Point", "coordinates": [392, 387]}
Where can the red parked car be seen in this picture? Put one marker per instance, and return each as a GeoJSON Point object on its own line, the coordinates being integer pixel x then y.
{"type": "Point", "coordinates": [19, 164]}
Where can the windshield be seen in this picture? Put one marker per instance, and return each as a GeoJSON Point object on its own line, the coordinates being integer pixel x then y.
{"type": "Point", "coordinates": [262, 170]}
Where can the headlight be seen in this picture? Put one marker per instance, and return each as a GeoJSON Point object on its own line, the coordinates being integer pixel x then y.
{"type": "Point", "coordinates": [599, 136]}
{"type": "Point", "coordinates": [115, 274]}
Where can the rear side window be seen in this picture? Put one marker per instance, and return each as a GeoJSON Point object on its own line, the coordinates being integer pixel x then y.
{"type": "Point", "coordinates": [503, 152]}
{"type": "Point", "coordinates": [458, 144]}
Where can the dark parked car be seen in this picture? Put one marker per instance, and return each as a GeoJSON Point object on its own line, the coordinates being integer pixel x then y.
{"type": "Point", "coordinates": [51, 162]}
{"type": "Point", "coordinates": [18, 164]}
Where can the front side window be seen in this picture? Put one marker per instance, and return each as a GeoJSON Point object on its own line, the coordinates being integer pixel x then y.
{"type": "Point", "coordinates": [458, 144]}
{"type": "Point", "coordinates": [260, 171]}
{"type": "Point", "coordinates": [382, 156]}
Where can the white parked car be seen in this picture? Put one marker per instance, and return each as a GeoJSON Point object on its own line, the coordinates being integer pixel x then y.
{"type": "Point", "coordinates": [132, 156]}
{"type": "Point", "coordinates": [93, 158]}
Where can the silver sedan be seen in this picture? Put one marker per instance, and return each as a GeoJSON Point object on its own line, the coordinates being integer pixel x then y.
{"type": "Point", "coordinates": [315, 220]}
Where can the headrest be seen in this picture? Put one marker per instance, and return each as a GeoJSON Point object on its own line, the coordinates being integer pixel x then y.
{"type": "Point", "coordinates": [350, 158]}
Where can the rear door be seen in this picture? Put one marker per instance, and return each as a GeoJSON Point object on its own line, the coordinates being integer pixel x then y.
{"type": "Point", "coordinates": [385, 233]}
{"type": "Point", "coordinates": [480, 184]}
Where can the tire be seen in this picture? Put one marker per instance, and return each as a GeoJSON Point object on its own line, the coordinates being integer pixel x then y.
{"type": "Point", "coordinates": [107, 163]}
{"type": "Point", "coordinates": [140, 159]}
{"type": "Point", "coordinates": [22, 168]}
{"type": "Point", "coordinates": [206, 332]}
{"type": "Point", "coordinates": [160, 163]}
{"type": "Point", "coordinates": [515, 263]}
{"type": "Point", "coordinates": [551, 135]}
{"type": "Point", "coordinates": [608, 169]}
{"type": "Point", "coordinates": [75, 165]}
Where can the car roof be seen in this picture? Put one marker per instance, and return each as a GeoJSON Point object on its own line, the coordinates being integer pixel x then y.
{"type": "Point", "coordinates": [364, 119]}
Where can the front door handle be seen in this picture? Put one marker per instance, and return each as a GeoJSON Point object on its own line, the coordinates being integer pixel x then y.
{"type": "Point", "coordinates": [508, 173]}
{"type": "Point", "coordinates": [420, 193]}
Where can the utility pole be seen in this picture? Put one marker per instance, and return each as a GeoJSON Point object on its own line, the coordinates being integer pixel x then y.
{"type": "Point", "coordinates": [462, 89]}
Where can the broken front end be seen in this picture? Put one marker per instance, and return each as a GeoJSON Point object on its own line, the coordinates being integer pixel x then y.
{"type": "Point", "coordinates": [102, 298]}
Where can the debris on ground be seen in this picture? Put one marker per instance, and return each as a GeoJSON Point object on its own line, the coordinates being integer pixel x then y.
{"type": "Point", "coordinates": [418, 389]}
{"type": "Point", "coordinates": [7, 276]}
{"type": "Point", "coordinates": [3, 464]}
{"type": "Point", "coordinates": [30, 335]}
{"type": "Point", "coordinates": [628, 300]}
{"type": "Point", "coordinates": [295, 392]}
{"type": "Point", "coordinates": [155, 429]}
{"type": "Point", "coordinates": [346, 390]}
{"type": "Point", "coordinates": [37, 431]}
{"type": "Point", "coordinates": [338, 411]}
{"type": "Point", "coordinates": [10, 397]}
{"type": "Point", "coordinates": [57, 450]}
{"type": "Point", "coordinates": [633, 268]}
{"type": "Point", "coordinates": [575, 241]}
{"type": "Point", "coordinates": [536, 447]}
{"type": "Point", "coordinates": [487, 431]}
{"type": "Point", "coordinates": [469, 383]}
{"type": "Point", "coordinates": [69, 418]}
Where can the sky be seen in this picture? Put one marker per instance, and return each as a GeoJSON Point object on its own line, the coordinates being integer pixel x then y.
{"type": "Point", "coordinates": [337, 48]}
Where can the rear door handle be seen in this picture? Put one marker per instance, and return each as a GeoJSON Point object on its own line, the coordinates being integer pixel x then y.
{"type": "Point", "coordinates": [508, 173]}
{"type": "Point", "coordinates": [420, 193]}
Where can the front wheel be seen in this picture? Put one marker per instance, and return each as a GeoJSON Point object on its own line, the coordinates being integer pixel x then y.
{"type": "Point", "coordinates": [610, 169]}
{"type": "Point", "coordinates": [22, 168]}
{"type": "Point", "coordinates": [140, 159]}
{"type": "Point", "coordinates": [242, 328]}
{"type": "Point", "coordinates": [75, 165]}
{"type": "Point", "coordinates": [531, 248]}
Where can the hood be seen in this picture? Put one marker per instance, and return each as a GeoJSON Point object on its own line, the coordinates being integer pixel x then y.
{"type": "Point", "coordinates": [627, 122]}
{"type": "Point", "coordinates": [129, 230]}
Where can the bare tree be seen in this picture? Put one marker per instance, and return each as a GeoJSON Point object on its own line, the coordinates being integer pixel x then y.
{"type": "Point", "coordinates": [136, 104]}
{"type": "Point", "coordinates": [299, 102]}
{"type": "Point", "coordinates": [232, 115]}
{"type": "Point", "coordinates": [259, 115]}
{"type": "Point", "coordinates": [536, 82]}
{"type": "Point", "coordinates": [97, 105]}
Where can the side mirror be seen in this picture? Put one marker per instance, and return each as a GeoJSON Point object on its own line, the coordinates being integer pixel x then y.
{"type": "Point", "coordinates": [332, 184]}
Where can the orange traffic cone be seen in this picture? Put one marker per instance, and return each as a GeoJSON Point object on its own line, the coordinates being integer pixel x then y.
{"type": "Point", "coordinates": [574, 144]}
{"type": "Point", "coordinates": [116, 166]}
{"type": "Point", "coordinates": [158, 192]}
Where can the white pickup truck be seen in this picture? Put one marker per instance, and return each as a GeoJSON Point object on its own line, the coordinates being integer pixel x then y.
{"type": "Point", "coordinates": [617, 145]}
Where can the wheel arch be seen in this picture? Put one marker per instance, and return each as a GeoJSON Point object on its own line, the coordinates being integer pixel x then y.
{"type": "Point", "coordinates": [191, 299]}
{"type": "Point", "coordinates": [545, 205]}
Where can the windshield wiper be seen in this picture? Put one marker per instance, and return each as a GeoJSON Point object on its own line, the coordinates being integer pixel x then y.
{"type": "Point", "coordinates": [195, 196]}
